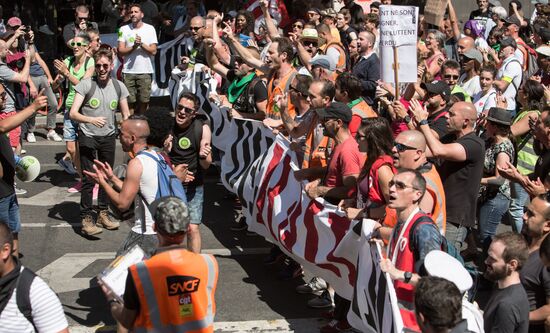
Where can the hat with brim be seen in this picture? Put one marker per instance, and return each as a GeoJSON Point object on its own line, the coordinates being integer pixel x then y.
{"type": "Point", "coordinates": [499, 116]}
{"type": "Point", "coordinates": [335, 110]}
{"type": "Point", "coordinates": [474, 54]}
{"type": "Point", "coordinates": [543, 50]}
{"type": "Point", "coordinates": [170, 214]}
{"type": "Point", "coordinates": [7, 35]}
{"type": "Point", "coordinates": [443, 265]}
{"type": "Point", "coordinates": [323, 61]}
{"type": "Point", "coordinates": [513, 19]}
{"type": "Point", "coordinates": [437, 87]}
{"type": "Point", "coordinates": [310, 35]}
{"type": "Point", "coordinates": [316, 10]}
{"type": "Point", "coordinates": [14, 21]}
{"type": "Point", "coordinates": [508, 41]}
{"type": "Point", "coordinates": [539, 2]}
{"type": "Point", "coordinates": [329, 12]}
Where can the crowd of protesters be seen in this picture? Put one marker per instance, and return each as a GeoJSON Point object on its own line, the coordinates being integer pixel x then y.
{"type": "Point", "coordinates": [439, 164]}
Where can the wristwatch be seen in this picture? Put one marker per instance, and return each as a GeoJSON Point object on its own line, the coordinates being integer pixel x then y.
{"type": "Point", "coordinates": [408, 276]}
{"type": "Point", "coordinates": [407, 119]}
{"type": "Point", "coordinates": [423, 122]}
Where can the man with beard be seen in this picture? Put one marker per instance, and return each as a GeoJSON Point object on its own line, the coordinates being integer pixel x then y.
{"type": "Point", "coordinates": [191, 147]}
{"type": "Point", "coordinates": [95, 103]}
{"type": "Point", "coordinates": [137, 44]}
{"type": "Point", "coordinates": [277, 66]}
{"type": "Point", "coordinates": [367, 68]}
{"type": "Point", "coordinates": [508, 307]}
{"type": "Point", "coordinates": [436, 101]}
{"type": "Point", "coordinates": [535, 278]}
{"type": "Point", "coordinates": [247, 92]}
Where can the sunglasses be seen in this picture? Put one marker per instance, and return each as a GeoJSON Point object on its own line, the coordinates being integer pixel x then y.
{"type": "Point", "coordinates": [196, 28]}
{"type": "Point", "coordinates": [298, 26]}
{"type": "Point", "coordinates": [183, 108]}
{"type": "Point", "coordinates": [400, 186]}
{"type": "Point", "coordinates": [238, 59]}
{"type": "Point", "coordinates": [402, 147]}
{"type": "Point", "coordinates": [293, 89]}
{"type": "Point", "coordinates": [105, 66]}
{"type": "Point", "coordinates": [309, 43]}
{"type": "Point", "coordinates": [79, 44]}
{"type": "Point", "coordinates": [453, 77]}
{"type": "Point", "coordinates": [82, 18]}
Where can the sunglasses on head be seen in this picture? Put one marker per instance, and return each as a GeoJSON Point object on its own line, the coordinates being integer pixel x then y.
{"type": "Point", "coordinates": [79, 44]}
{"type": "Point", "coordinates": [184, 109]}
{"type": "Point", "coordinates": [402, 147]}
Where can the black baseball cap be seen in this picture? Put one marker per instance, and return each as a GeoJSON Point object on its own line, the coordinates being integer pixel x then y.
{"type": "Point", "coordinates": [336, 110]}
{"type": "Point", "coordinates": [512, 19]}
{"type": "Point", "coordinates": [437, 87]}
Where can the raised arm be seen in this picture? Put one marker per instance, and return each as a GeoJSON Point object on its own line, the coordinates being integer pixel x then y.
{"type": "Point", "coordinates": [248, 58]}
{"type": "Point", "coordinates": [272, 30]}
{"type": "Point", "coordinates": [212, 60]}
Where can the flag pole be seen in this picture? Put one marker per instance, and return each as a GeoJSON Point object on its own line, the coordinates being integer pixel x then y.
{"type": "Point", "coordinates": [396, 72]}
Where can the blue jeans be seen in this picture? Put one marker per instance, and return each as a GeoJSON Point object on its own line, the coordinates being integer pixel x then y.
{"type": "Point", "coordinates": [519, 199]}
{"type": "Point", "coordinates": [490, 215]}
{"type": "Point", "coordinates": [195, 199]}
{"type": "Point", "coordinates": [9, 213]}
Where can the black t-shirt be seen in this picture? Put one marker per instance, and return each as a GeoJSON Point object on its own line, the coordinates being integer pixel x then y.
{"type": "Point", "coordinates": [535, 279]}
{"type": "Point", "coordinates": [186, 147]}
{"type": "Point", "coordinates": [438, 122]}
{"type": "Point", "coordinates": [507, 311]}
{"type": "Point", "coordinates": [480, 16]}
{"type": "Point", "coordinates": [461, 180]}
{"type": "Point", "coordinates": [8, 166]}
{"type": "Point", "coordinates": [246, 102]}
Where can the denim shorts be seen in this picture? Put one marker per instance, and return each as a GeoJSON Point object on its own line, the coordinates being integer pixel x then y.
{"type": "Point", "coordinates": [195, 199]}
{"type": "Point", "coordinates": [70, 128]}
{"type": "Point", "coordinates": [9, 213]}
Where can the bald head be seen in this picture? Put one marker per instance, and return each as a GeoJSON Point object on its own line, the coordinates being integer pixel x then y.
{"type": "Point", "coordinates": [137, 127]}
{"type": "Point", "coordinates": [413, 138]}
{"type": "Point", "coordinates": [464, 44]}
{"type": "Point", "coordinates": [467, 109]}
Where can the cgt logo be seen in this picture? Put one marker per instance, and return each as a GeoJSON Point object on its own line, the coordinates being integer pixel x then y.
{"type": "Point", "coordinates": [181, 284]}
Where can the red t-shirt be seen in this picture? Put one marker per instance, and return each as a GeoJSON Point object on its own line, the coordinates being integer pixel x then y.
{"type": "Point", "coordinates": [345, 160]}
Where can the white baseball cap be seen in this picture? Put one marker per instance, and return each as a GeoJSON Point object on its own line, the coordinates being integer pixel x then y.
{"type": "Point", "coordinates": [441, 264]}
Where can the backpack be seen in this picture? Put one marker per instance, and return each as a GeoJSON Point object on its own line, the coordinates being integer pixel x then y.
{"type": "Point", "coordinates": [23, 287]}
{"type": "Point", "coordinates": [532, 66]}
{"type": "Point", "coordinates": [168, 183]}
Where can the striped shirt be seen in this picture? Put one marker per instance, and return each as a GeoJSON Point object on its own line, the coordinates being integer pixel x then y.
{"type": "Point", "coordinates": [47, 311]}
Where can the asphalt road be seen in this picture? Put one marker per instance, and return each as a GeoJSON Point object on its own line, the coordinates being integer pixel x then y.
{"type": "Point", "coordinates": [249, 297]}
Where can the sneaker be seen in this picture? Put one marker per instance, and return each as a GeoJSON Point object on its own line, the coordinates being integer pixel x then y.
{"type": "Point", "coordinates": [290, 271]}
{"type": "Point", "coordinates": [75, 188]}
{"type": "Point", "coordinates": [275, 255]}
{"type": "Point", "coordinates": [19, 191]}
{"type": "Point", "coordinates": [104, 221]}
{"type": "Point", "coordinates": [95, 191]}
{"type": "Point", "coordinates": [336, 326]}
{"type": "Point", "coordinates": [53, 136]}
{"type": "Point", "coordinates": [239, 226]}
{"type": "Point", "coordinates": [315, 286]}
{"type": "Point", "coordinates": [23, 151]}
{"type": "Point", "coordinates": [88, 226]}
{"type": "Point", "coordinates": [322, 301]}
{"type": "Point", "coordinates": [67, 165]}
{"type": "Point", "coordinates": [31, 138]}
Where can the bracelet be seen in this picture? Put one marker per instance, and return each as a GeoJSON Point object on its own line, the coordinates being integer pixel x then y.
{"type": "Point", "coordinates": [423, 122]}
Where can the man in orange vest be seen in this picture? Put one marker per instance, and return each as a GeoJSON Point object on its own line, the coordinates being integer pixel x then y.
{"type": "Point", "coordinates": [175, 288]}
{"type": "Point", "coordinates": [409, 151]}
{"type": "Point", "coordinates": [348, 90]}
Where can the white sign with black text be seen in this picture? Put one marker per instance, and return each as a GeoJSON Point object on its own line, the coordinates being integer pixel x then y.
{"type": "Point", "coordinates": [398, 28]}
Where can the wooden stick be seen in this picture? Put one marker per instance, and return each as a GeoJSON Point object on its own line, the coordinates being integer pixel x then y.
{"type": "Point", "coordinates": [396, 72]}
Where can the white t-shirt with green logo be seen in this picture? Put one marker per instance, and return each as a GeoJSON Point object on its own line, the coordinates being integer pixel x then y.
{"type": "Point", "coordinates": [103, 103]}
{"type": "Point", "coordinates": [138, 61]}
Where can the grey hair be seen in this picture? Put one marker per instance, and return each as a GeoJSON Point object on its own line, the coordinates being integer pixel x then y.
{"type": "Point", "coordinates": [500, 12]}
{"type": "Point", "coordinates": [439, 37]}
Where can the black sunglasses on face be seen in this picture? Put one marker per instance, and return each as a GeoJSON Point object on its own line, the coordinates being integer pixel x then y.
{"type": "Point", "coordinates": [185, 109]}
{"type": "Point", "coordinates": [400, 185]}
{"type": "Point", "coordinates": [402, 147]}
{"type": "Point", "coordinates": [195, 28]}
{"type": "Point", "coordinates": [309, 43]}
{"type": "Point", "coordinates": [453, 77]}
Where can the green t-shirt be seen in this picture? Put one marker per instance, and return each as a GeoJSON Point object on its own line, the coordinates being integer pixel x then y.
{"type": "Point", "coordinates": [89, 62]}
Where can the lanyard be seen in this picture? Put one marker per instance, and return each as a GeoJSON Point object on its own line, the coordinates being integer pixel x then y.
{"type": "Point", "coordinates": [400, 238]}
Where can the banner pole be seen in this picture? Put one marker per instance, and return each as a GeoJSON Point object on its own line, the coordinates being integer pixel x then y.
{"type": "Point", "coordinates": [396, 72]}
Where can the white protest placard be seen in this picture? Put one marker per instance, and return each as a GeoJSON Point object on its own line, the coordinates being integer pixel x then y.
{"type": "Point", "coordinates": [114, 276]}
{"type": "Point", "coordinates": [398, 28]}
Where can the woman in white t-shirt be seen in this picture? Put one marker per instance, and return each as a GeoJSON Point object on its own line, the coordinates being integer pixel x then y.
{"type": "Point", "coordinates": [469, 80]}
{"type": "Point", "coordinates": [486, 98]}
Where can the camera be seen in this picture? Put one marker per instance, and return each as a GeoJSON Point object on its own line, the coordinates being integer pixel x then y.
{"type": "Point", "coordinates": [27, 29]}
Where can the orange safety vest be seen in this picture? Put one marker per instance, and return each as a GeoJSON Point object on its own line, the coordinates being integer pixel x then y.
{"type": "Point", "coordinates": [362, 109]}
{"type": "Point", "coordinates": [341, 64]}
{"type": "Point", "coordinates": [434, 186]}
{"type": "Point", "coordinates": [280, 89]}
{"type": "Point", "coordinates": [176, 292]}
{"type": "Point", "coordinates": [318, 156]}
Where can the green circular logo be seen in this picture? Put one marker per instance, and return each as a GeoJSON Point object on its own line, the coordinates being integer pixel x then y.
{"type": "Point", "coordinates": [184, 143]}
{"type": "Point", "coordinates": [113, 105]}
{"type": "Point", "coordinates": [132, 39]}
{"type": "Point", "coordinates": [94, 102]}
